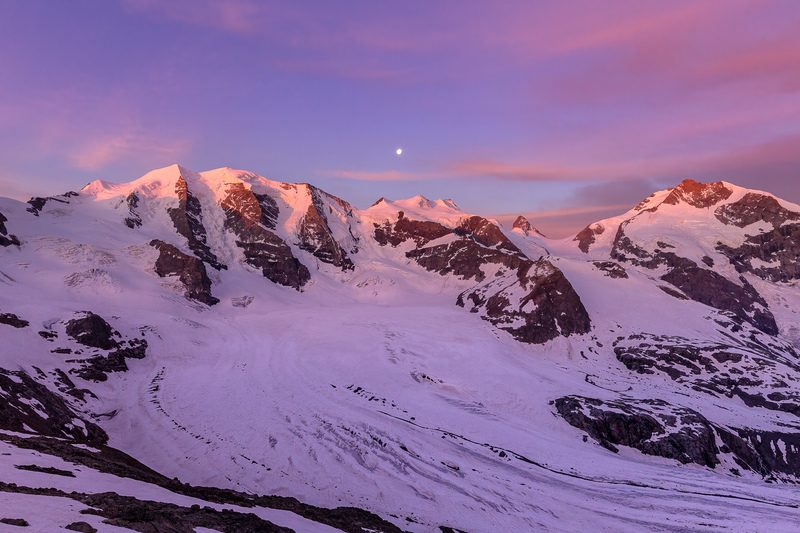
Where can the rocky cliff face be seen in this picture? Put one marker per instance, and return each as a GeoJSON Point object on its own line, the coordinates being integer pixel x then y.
{"type": "Point", "coordinates": [532, 300]}
{"type": "Point", "coordinates": [190, 270]}
{"type": "Point", "coordinates": [538, 306]}
{"type": "Point", "coordinates": [262, 248]}
{"type": "Point", "coordinates": [316, 235]}
{"type": "Point", "coordinates": [188, 221]}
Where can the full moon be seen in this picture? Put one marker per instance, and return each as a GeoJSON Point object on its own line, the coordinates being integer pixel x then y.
{"type": "Point", "coordinates": [399, 151]}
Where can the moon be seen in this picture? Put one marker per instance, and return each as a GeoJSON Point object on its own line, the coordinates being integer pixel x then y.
{"type": "Point", "coordinates": [399, 151]}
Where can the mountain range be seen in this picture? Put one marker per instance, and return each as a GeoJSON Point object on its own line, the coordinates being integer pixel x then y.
{"type": "Point", "coordinates": [217, 351]}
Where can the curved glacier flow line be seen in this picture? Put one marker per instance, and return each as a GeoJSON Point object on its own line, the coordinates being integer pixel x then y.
{"type": "Point", "coordinates": [592, 479]}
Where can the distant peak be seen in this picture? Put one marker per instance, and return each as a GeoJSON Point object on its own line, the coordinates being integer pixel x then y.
{"type": "Point", "coordinates": [381, 199]}
{"type": "Point", "coordinates": [420, 201]}
{"type": "Point", "coordinates": [521, 224]}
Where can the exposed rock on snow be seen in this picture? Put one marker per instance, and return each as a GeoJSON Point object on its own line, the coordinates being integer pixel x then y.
{"type": "Point", "coordinates": [188, 221]}
{"type": "Point", "coordinates": [92, 330]}
{"type": "Point", "coordinates": [752, 208]}
{"type": "Point", "coordinates": [611, 269]}
{"type": "Point", "coordinates": [658, 428]}
{"type": "Point", "coordinates": [262, 248]}
{"type": "Point", "coordinates": [773, 255]}
{"type": "Point", "coordinates": [37, 203]}
{"type": "Point", "coordinates": [699, 195]}
{"type": "Point", "coordinates": [762, 374]}
{"type": "Point", "coordinates": [538, 306]}
{"type": "Point", "coordinates": [485, 233]}
{"type": "Point", "coordinates": [5, 238]}
{"type": "Point", "coordinates": [522, 224]}
{"type": "Point", "coordinates": [587, 236]}
{"type": "Point", "coordinates": [699, 284]}
{"type": "Point", "coordinates": [191, 271]}
{"type": "Point", "coordinates": [652, 426]}
{"type": "Point", "coordinates": [30, 407]}
{"type": "Point", "coordinates": [13, 320]}
{"type": "Point", "coordinates": [420, 231]}
{"type": "Point", "coordinates": [316, 235]}
{"type": "Point", "coordinates": [134, 220]}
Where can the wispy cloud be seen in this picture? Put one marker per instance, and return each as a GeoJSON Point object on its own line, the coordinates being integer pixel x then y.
{"type": "Point", "coordinates": [95, 154]}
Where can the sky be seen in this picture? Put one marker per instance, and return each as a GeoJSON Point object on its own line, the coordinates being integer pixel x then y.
{"type": "Point", "coordinates": [567, 112]}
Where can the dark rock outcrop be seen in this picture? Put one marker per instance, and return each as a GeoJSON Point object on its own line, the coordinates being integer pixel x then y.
{"type": "Point", "coordinates": [656, 427]}
{"type": "Point", "coordinates": [145, 515]}
{"type": "Point", "coordinates": [522, 224]}
{"type": "Point", "coordinates": [5, 238]}
{"type": "Point", "coordinates": [587, 236]}
{"type": "Point", "coordinates": [752, 208]}
{"type": "Point", "coordinates": [420, 231]}
{"type": "Point", "coordinates": [188, 221]}
{"type": "Point", "coordinates": [464, 258]}
{"type": "Point", "coordinates": [15, 522]}
{"type": "Point", "coordinates": [315, 234]}
{"type": "Point", "coordinates": [191, 271]}
{"type": "Point", "coordinates": [29, 404]}
{"type": "Point", "coordinates": [98, 367]}
{"type": "Point", "coordinates": [538, 306]}
{"type": "Point", "coordinates": [762, 375]}
{"type": "Point", "coordinates": [91, 330]}
{"type": "Point", "coordinates": [611, 269]}
{"type": "Point", "coordinates": [10, 319]}
{"type": "Point", "coordinates": [81, 527]}
{"type": "Point", "coordinates": [777, 253]}
{"type": "Point", "coordinates": [37, 203]}
{"type": "Point", "coordinates": [712, 289]}
{"type": "Point", "coordinates": [532, 300]}
{"type": "Point", "coordinates": [269, 210]}
{"type": "Point", "coordinates": [652, 426]}
{"type": "Point", "coordinates": [112, 461]}
{"type": "Point", "coordinates": [134, 220]}
{"type": "Point", "coordinates": [262, 248]}
{"type": "Point", "coordinates": [764, 452]}
{"type": "Point", "coordinates": [699, 284]}
{"type": "Point", "coordinates": [485, 233]}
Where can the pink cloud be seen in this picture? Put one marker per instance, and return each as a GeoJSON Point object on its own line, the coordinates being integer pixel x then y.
{"type": "Point", "coordinates": [97, 153]}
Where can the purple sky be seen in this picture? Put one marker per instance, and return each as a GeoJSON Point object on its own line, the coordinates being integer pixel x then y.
{"type": "Point", "coordinates": [567, 111]}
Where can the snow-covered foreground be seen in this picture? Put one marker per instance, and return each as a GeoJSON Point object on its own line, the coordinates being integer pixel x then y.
{"type": "Point", "coordinates": [422, 412]}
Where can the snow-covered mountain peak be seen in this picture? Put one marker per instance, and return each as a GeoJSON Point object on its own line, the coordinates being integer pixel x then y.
{"type": "Point", "coordinates": [417, 208]}
{"type": "Point", "coordinates": [157, 183]}
{"type": "Point", "coordinates": [690, 193]}
{"type": "Point", "coordinates": [523, 225]}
